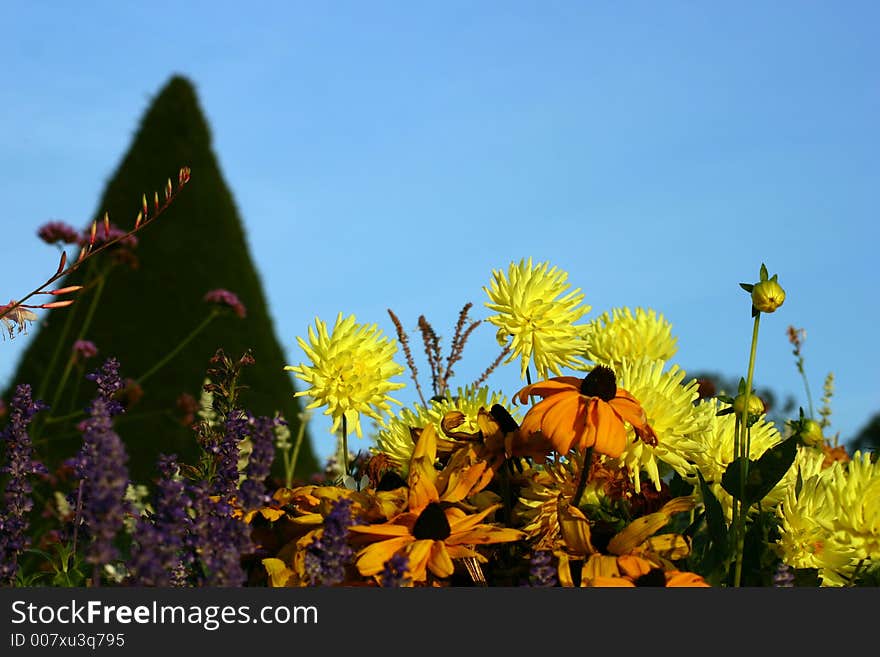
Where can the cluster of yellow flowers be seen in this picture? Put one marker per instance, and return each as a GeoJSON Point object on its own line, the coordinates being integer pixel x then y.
{"type": "Point", "coordinates": [616, 419]}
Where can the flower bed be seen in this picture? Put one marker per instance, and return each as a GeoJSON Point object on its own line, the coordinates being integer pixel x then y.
{"type": "Point", "coordinates": [608, 468]}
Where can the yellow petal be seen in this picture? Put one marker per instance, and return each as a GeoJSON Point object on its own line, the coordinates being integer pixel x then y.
{"type": "Point", "coordinates": [439, 562]}
{"type": "Point", "coordinates": [599, 565]}
{"type": "Point", "coordinates": [371, 560]}
{"type": "Point", "coordinates": [418, 553]}
{"type": "Point", "coordinates": [575, 529]}
{"type": "Point", "coordinates": [635, 533]}
{"type": "Point", "coordinates": [385, 530]}
{"type": "Point", "coordinates": [272, 514]}
{"type": "Point", "coordinates": [278, 572]}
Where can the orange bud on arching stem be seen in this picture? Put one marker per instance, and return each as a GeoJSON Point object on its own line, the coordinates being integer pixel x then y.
{"type": "Point", "coordinates": [56, 304]}
{"type": "Point", "coordinates": [66, 290]}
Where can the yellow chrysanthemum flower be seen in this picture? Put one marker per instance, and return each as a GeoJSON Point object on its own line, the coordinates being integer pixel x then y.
{"type": "Point", "coordinates": [623, 334]}
{"type": "Point", "coordinates": [351, 371]}
{"type": "Point", "coordinates": [832, 522]}
{"type": "Point", "coordinates": [396, 441]}
{"type": "Point", "coordinates": [669, 405]}
{"type": "Point", "coordinates": [536, 317]}
{"type": "Point", "coordinates": [715, 437]}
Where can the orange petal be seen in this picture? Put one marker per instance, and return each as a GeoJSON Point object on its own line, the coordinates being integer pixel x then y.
{"type": "Point", "coordinates": [634, 567]}
{"type": "Point", "coordinates": [371, 560]}
{"type": "Point", "coordinates": [459, 522]}
{"type": "Point", "coordinates": [610, 432]}
{"type": "Point", "coordinates": [439, 562]}
{"type": "Point", "coordinates": [549, 387]}
{"type": "Point", "coordinates": [278, 572]}
{"type": "Point", "coordinates": [559, 421]}
{"type": "Point", "coordinates": [587, 437]}
{"type": "Point", "coordinates": [462, 551]}
{"type": "Point", "coordinates": [461, 477]}
{"type": "Point", "coordinates": [629, 408]}
{"type": "Point", "coordinates": [676, 578]}
{"type": "Point", "coordinates": [608, 582]}
{"type": "Point", "coordinates": [485, 535]}
{"type": "Point", "coordinates": [385, 530]}
{"type": "Point", "coordinates": [535, 416]}
{"type": "Point", "coordinates": [418, 553]}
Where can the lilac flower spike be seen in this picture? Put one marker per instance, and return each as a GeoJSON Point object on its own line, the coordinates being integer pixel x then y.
{"type": "Point", "coordinates": [328, 555]}
{"type": "Point", "coordinates": [101, 466]}
{"type": "Point", "coordinates": [19, 466]}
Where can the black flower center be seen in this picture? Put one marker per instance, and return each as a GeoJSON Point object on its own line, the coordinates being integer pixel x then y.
{"type": "Point", "coordinates": [654, 577]}
{"type": "Point", "coordinates": [432, 524]}
{"type": "Point", "coordinates": [601, 383]}
{"type": "Point", "coordinates": [503, 418]}
{"type": "Point", "coordinates": [391, 481]}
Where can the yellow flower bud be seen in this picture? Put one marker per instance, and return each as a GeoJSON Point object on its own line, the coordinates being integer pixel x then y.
{"type": "Point", "coordinates": [756, 406]}
{"type": "Point", "coordinates": [811, 433]}
{"type": "Point", "coordinates": [768, 295]}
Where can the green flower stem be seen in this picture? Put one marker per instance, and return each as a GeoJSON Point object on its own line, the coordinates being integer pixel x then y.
{"type": "Point", "coordinates": [800, 367]}
{"type": "Point", "coordinates": [68, 323]}
{"type": "Point", "coordinates": [290, 465]}
{"type": "Point", "coordinates": [68, 367]}
{"type": "Point", "coordinates": [171, 354]}
{"type": "Point", "coordinates": [744, 435]}
{"type": "Point", "coordinates": [344, 445]}
{"type": "Point", "coordinates": [585, 475]}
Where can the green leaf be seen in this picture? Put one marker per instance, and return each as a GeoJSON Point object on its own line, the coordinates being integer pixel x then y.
{"type": "Point", "coordinates": [764, 273]}
{"type": "Point", "coordinates": [755, 311]}
{"type": "Point", "coordinates": [714, 513]}
{"type": "Point", "coordinates": [748, 287]}
{"type": "Point", "coordinates": [679, 487]}
{"type": "Point", "coordinates": [762, 475]}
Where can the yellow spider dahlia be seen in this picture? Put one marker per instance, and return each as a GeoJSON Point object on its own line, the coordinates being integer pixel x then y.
{"type": "Point", "coordinates": [623, 334]}
{"type": "Point", "coordinates": [351, 371]}
{"type": "Point", "coordinates": [537, 317]}
{"type": "Point", "coordinates": [396, 440]}
{"type": "Point", "coordinates": [715, 436]}
{"type": "Point", "coordinates": [833, 522]}
{"type": "Point", "coordinates": [669, 405]}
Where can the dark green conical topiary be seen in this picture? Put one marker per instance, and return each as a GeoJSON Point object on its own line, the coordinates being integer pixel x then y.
{"type": "Point", "coordinates": [143, 312]}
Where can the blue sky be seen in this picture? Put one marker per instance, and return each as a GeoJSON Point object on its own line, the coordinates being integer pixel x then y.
{"type": "Point", "coordinates": [391, 155]}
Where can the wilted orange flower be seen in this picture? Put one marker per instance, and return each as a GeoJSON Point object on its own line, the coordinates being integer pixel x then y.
{"type": "Point", "coordinates": [582, 413]}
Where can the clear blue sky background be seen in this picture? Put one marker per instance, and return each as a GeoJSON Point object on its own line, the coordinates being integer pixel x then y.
{"type": "Point", "coordinates": [390, 155]}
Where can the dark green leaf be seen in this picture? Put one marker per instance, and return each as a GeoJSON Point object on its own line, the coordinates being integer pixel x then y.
{"type": "Point", "coordinates": [748, 287]}
{"type": "Point", "coordinates": [762, 474]}
{"type": "Point", "coordinates": [764, 273]}
{"type": "Point", "coordinates": [715, 520]}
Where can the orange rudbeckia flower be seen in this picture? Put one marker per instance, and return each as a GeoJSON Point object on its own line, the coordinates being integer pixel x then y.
{"type": "Point", "coordinates": [582, 413]}
{"type": "Point", "coordinates": [433, 531]}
